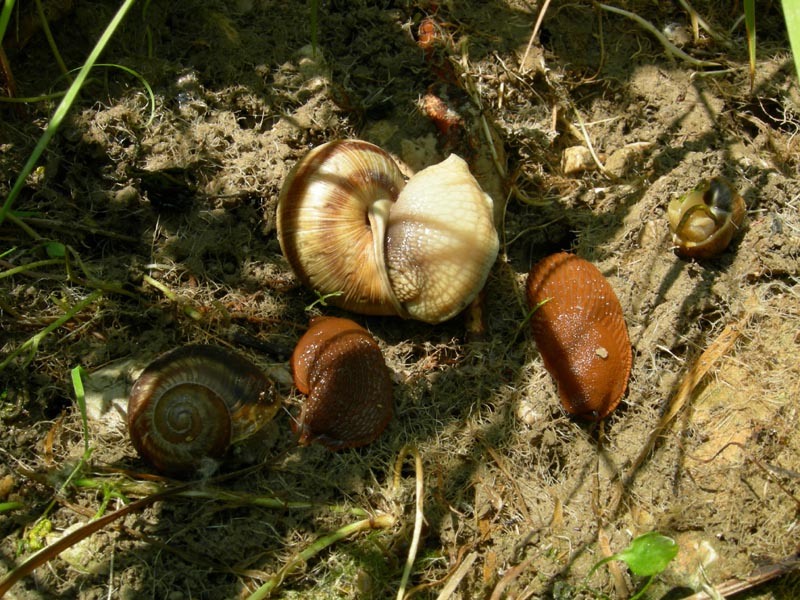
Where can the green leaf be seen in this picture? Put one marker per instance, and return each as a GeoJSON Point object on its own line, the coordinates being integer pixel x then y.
{"type": "Point", "coordinates": [649, 554]}
{"type": "Point", "coordinates": [55, 249]}
{"type": "Point", "coordinates": [66, 102]}
{"type": "Point", "coordinates": [77, 374]}
{"type": "Point", "coordinates": [791, 12]}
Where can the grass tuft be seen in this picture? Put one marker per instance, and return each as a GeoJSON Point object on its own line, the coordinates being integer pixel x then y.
{"type": "Point", "coordinates": [66, 102]}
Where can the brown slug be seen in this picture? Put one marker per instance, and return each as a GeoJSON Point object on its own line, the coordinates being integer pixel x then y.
{"type": "Point", "coordinates": [339, 365]}
{"type": "Point", "coordinates": [580, 332]}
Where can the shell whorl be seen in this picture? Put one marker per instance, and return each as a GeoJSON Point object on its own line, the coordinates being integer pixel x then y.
{"type": "Point", "coordinates": [441, 241]}
{"type": "Point", "coordinates": [189, 405]}
{"type": "Point", "coordinates": [327, 230]}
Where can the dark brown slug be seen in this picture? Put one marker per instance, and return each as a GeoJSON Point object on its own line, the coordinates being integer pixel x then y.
{"type": "Point", "coordinates": [338, 364]}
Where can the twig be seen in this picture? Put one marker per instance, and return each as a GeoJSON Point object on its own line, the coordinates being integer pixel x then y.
{"type": "Point", "coordinates": [382, 521]}
{"type": "Point", "coordinates": [509, 576]}
{"type": "Point", "coordinates": [589, 145]}
{"type": "Point", "coordinates": [185, 306]}
{"type": "Point", "coordinates": [456, 578]}
{"type": "Point", "coordinates": [761, 575]}
{"type": "Point", "coordinates": [534, 33]}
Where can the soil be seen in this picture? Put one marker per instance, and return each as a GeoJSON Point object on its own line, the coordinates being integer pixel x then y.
{"type": "Point", "coordinates": [171, 214]}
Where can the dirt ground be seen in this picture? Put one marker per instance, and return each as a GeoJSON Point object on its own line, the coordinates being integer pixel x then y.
{"type": "Point", "coordinates": [173, 219]}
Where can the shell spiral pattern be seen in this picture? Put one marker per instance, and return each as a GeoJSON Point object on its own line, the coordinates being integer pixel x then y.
{"type": "Point", "coordinates": [189, 405]}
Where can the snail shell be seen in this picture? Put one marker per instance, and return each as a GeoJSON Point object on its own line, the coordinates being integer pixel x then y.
{"type": "Point", "coordinates": [347, 222]}
{"type": "Point", "coordinates": [338, 364]}
{"type": "Point", "coordinates": [189, 405]}
{"type": "Point", "coordinates": [704, 221]}
{"type": "Point", "coordinates": [581, 334]}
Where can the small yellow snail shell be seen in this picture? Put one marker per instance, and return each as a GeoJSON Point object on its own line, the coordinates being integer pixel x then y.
{"type": "Point", "coordinates": [704, 221]}
{"type": "Point", "coordinates": [189, 405]}
{"type": "Point", "coordinates": [348, 223]}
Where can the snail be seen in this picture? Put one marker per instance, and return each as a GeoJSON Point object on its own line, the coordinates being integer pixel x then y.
{"type": "Point", "coordinates": [339, 365]}
{"type": "Point", "coordinates": [349, 224]}
{"type": "Point", "coordinates": [580, 331]}
{"type": "Point", "coordinates": [189, 405]}
{"type": "Point", "coordinates": [704, 221]}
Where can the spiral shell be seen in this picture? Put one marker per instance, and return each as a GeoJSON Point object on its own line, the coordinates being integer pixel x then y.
{"type": "Point", "coordinates": [190, 404]}
{"type": "Point", "coordinates": [348, 223]}
{"type": "Point", "coordinates": [580, 332]}
{"type": "Point", "coordinates": [704, 221]}
{"type": "Point", "coordinates": [338, 364]}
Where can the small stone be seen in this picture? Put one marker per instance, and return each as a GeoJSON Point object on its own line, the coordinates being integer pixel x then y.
{"type": "Point", "coordinates": [577, 159]}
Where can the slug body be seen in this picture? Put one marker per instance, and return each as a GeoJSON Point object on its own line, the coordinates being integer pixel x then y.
{"type": "Point", "coordinates": [580, 332]}
{"type": "Point", "coordinates": [704, 221]}
{"type": "Point", "coordinates": [338, 364]}
{"type": "Point", "coordinates": [347, 222]}
{"type": "Point", "coordinates": [189, 405]}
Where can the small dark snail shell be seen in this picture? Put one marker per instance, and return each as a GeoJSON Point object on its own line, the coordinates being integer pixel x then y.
{"type": "Point", "coordinates": [704, 221]}
{"type": "Point", "coordinates": [339, 365]}
{"type": "Point", "coordinates": [189, 405]}
{"type": "Point", "coordinates": [581, 334]}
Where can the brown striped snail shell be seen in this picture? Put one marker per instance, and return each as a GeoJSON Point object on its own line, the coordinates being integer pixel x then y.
{"type": "Point", "coordinates": [347, 222]}
{"type": "Point", "coordinates": [580, 332]}
{"type": "Point", "coordinates": [339, 365]}
{"type": "Point", "coordinates": [189, 405]}
{"type": "Point", "coordinates": [704, 221]}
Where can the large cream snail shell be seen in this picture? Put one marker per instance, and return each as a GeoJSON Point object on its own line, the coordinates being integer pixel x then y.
{"type": "Point", "coordinates": [189, 405]}
{"type": "Point", "coordinates": [348, 223]}
{"type": "Point", "coordinates": [704, 221]}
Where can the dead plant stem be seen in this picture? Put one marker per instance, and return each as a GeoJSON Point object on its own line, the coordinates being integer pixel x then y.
{"type": "Point", "coordinates": [419, 515]}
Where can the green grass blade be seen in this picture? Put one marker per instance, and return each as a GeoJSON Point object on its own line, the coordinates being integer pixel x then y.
{"type": "Point", "coordinates": [64, 106]}
{"type": "Point", "coordinates": [9, 506]}
{"type": "Point", "coordinates": [50, 40]}
{"type": "Point", "coordinates": [5, 17]}
{"type": "Point", "coordinates": [791, 12]}
{"type": "Point", "coordinates": [32, 344]}
{"type": "Point", "coordinates": [150, 95]}
{"type": "Point", "coordinates": [750, 23]}
{"type": "Point", "coordinates": [80, 398]}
